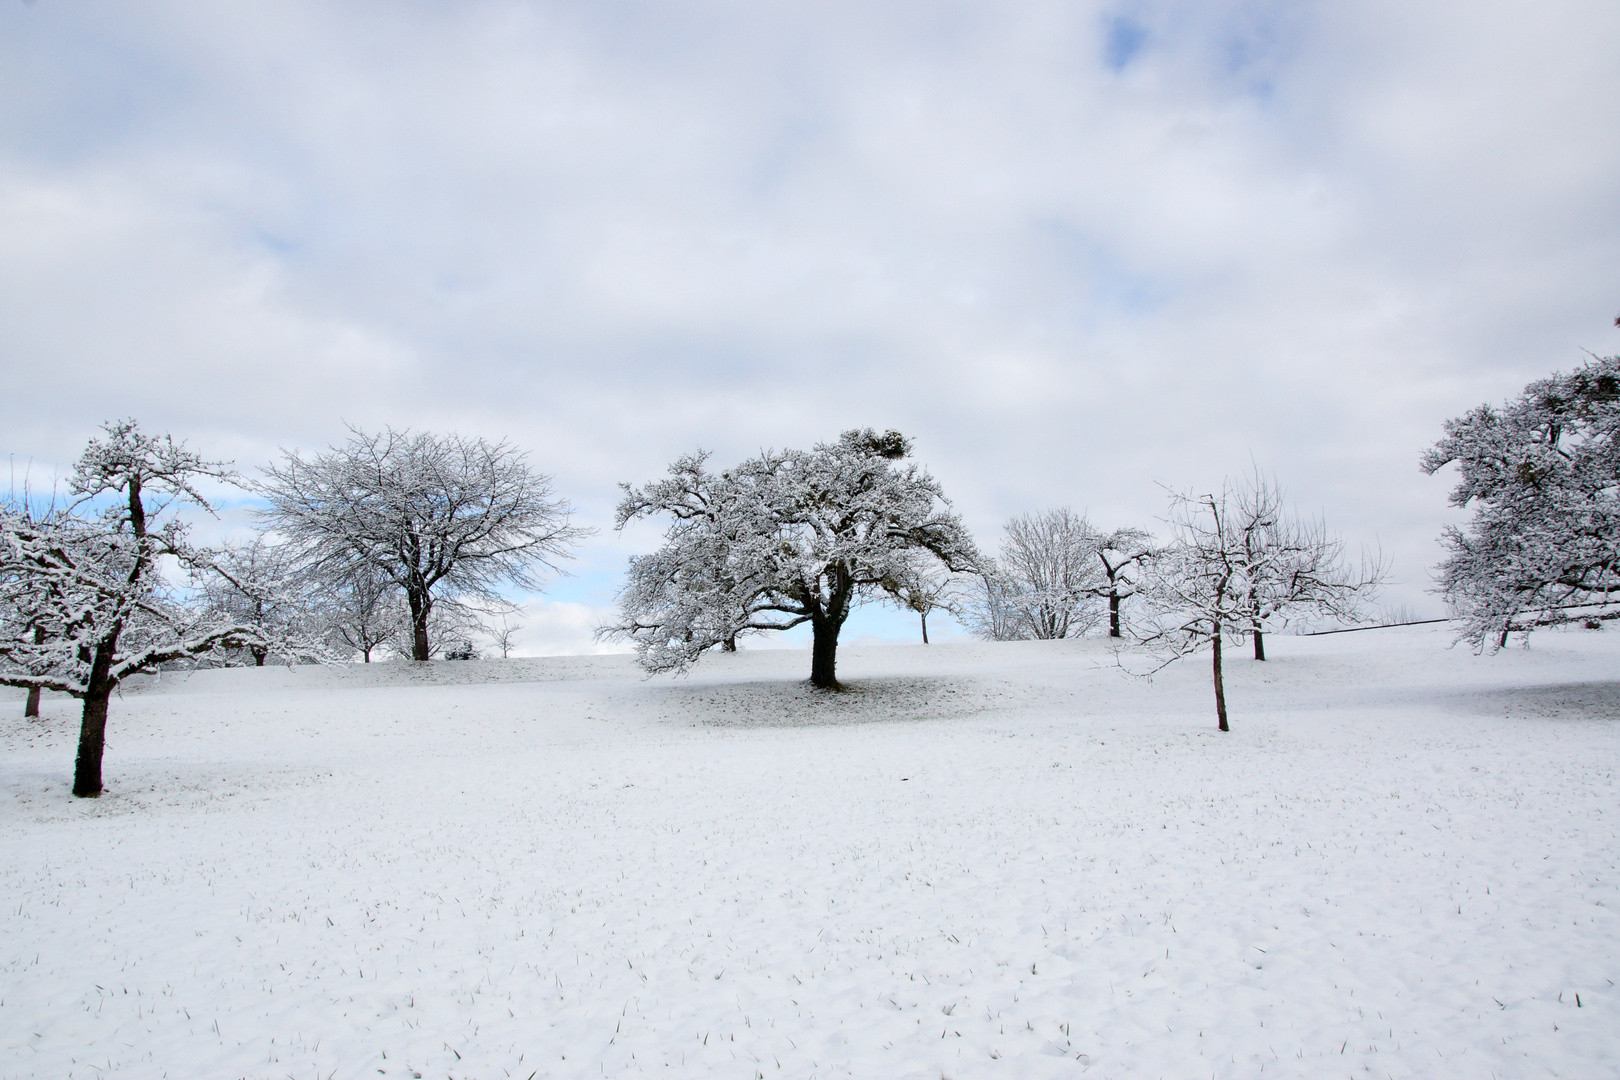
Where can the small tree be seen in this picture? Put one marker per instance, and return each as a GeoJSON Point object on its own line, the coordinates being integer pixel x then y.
{"type": "Point", "coordinates": [363, 611]}
{"type": "Point", "coordinates": [253, 584]}
{"type": "Point", "coordinates": [1196, 587]}
{"type": "Point", "coordinates": [1122, 554]}
{"type": "Point", "coordinates": [433, 514]}
{"type": "Point", "coordinates": [506, 636]}
{"type": "Point", "coordinates": [84, 602]}
{"type": "Point", "coordinates": [781, 540]}
{"type": "Point", "coordinates": [1049, 561]}
{"type": "Point", "coordinates": [1542, 474]}
{"type": "Point", "coordinates": [1294, 568]}
{"type": "Point", "coordinates": [922, 586]}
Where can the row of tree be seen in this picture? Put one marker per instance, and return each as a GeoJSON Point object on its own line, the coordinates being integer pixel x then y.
{"type": "Point", "coordinates": [391, 535]}
{"type": "Point", "coordinates": [408, 539]}
{"type": "Point", "coordinates": [795, 537]}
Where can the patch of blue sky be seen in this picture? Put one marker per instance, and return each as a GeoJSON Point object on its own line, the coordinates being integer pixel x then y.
{"type": "Point", "coordinates": [1108, 281]}
{"type": "Point", "coordinates": [1124, 38]}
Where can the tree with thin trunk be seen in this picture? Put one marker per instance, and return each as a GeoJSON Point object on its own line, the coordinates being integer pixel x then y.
{"type": "Point", "coordinates": [254, 585]}
{"type": "Point", "coordinates": [1195, 589]}
{"type": "Point", "coordinates": [922, 586]}
{"type": "Point", "coordinates": [362, 612]}
{"type": "Point", "coordinates": [780, 540]}
{"type": "Point", "coordinates": [84, 602]}
{"type": "Point", "coordinates": [444, 518]}
{"type": "Point", "coordinates": [1294, 568]}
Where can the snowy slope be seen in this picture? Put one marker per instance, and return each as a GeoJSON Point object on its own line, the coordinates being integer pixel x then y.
{"type": "Point", "coordinates": [1002, 860]}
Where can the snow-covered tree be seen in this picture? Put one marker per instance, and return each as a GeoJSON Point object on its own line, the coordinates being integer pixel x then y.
{"type": "Point", "coordinates": [442, 517]}
{"type": "Point", "coordinates": [254, 584]}
{"type": "Point", "coordinates": [1543, 476]}
{"type": "Point", "coordinates": [84, 600]}
{"type": "Point", "coordinates": [1122, 554]}
{"type": "Point", "coordinates": [1194, 593]}
{"type": "Point", "coordinates": [1237, 565]}
{"type": "Point", "coordinates": [1048, 561]}
{"type": "Point", "coordinates": [363, 611]}
{"type": "Point", "coordinates": [923, 586]}
{"type": "Point", "coordinates": [782, 539]}
{"type": "Point", "coordinates": [1294, 568]}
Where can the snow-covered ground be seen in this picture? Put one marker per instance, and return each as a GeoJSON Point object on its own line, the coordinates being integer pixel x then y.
{"type": "Point", "coordinates": [1002, 860]}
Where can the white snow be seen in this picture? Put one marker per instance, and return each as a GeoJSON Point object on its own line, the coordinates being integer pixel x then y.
{"type": "Point", "coordinates": [987, 860]}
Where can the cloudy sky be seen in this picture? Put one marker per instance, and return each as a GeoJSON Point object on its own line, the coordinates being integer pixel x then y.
{"type": "Point", "coordinates": [1076, 250]}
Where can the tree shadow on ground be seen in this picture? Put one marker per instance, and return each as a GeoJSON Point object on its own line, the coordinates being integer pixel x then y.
{"type": "Point", "coordinates": [783, 703]}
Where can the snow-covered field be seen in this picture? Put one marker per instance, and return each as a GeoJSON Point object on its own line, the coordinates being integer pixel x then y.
{"type": "Point", "coordinates": [1001, 860]}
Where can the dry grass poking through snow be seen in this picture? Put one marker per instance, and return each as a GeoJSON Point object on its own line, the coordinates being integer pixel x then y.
{"type": "Point", "coordinates": [983, 861]}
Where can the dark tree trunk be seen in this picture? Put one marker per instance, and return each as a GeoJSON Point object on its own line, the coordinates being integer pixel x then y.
{"type": "Point", "coordinates": [1259, 645]}
{"type": "Point", "coordinates": [824, 655]}
{"type": "Point", "coordinates": [93, 726]}
{"type": "Point", "coordinates": [1113, 613]}
{"type": "Point", "coordinates": [924, 615]}
{"type": "Point", "coordinates": [92, 738]}
{"type": "Point", "coordinates": [258, 655]}
{"type": "Point", "coordinates": [730, 644]}
{"type": "Point", "coordinates": [1501, 642]}
{"type": "Point", "coordinates": [1220, 687]}
{"type": "Point", "coordinates": [420, 606]}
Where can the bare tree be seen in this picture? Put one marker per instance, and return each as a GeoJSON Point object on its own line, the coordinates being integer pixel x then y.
{"type": "Point", "coordinates": [923, 586]}
{"type": "Point", "coordinates": [782, 539]}
{"type": "Point", "coordinates": [1293, 566]}
{"type": "Point", "coordinates": [1235, 565]}
{"type": "Point", "coordinates": [363, 611]}
{"type": "Point", "coordinates": [84, 603]}
{"type": "Point", "coordinates": [1045, 584]}
{"type": "Point", "coordinates": [506, 636]}
{"type": "Point", "coordinates": [1196, 588]}
{"type": "Point", "coordinates": [442, 517]}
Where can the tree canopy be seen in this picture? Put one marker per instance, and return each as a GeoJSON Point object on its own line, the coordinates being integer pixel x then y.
{"type": "Point", "coordinates": [785, 538]}
{"type": "Point", "coordinates": [1542, 474]}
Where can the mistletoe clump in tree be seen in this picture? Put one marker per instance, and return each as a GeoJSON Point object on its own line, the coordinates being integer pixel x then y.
{"type": "Point", "coordinates": [1543, 476]}
{"type": "Point", "coordinates": [84, 601]}
{"type": "Point", "coordinates": [443, 519]}
{"type": "Point", "coordinates": [783, 539]}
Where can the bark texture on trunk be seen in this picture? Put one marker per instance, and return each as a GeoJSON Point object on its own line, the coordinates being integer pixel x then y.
{"type": "Point", "coordinates": [824, 655]}
{"type": "Point", "coordinates": [1220, 687]}
{"type": "Point", "coordinates": [92, 738]}
{"type": "Point", "coordinates": [1259, 645]}
{"type": "Point", "coordinates": [925, 627]}
{"type": "Point", "coordinates": [420, 649]}
{"type": "Point", "coordinates": [93, 724]}
{"type": "Point", "coordinates": [1113, 614]}
{"type": "Point", "coordinates": [31, 708]}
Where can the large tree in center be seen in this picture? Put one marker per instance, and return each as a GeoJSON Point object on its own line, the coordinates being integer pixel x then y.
{"type": "Point", "coordinates": [782, 539]}
{"type": "Point", "coordinates": [444, 518]}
